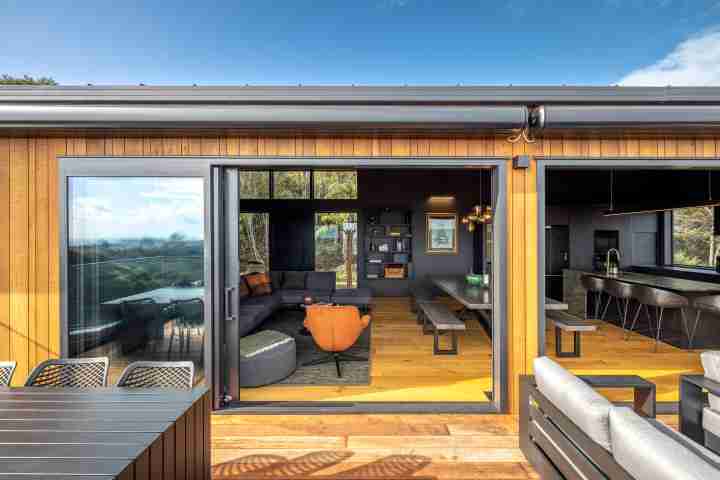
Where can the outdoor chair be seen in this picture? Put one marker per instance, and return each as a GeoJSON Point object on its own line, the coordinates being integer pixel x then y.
{"type": "Point", "coordinates": [189, 319]}
{"type": "Point", "coordinates": [70, 372]}
{"type": "Point", "coordinates": [178, 375]}
{"type": "Point", "coordinates": [6, 373]}
{"type": "Point", "coordinates": [142, 319]}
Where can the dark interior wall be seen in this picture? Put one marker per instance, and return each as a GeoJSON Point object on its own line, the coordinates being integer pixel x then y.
{"type": "Point", "coordinates": [412, 190]}
{"type": "Point", "coordinates": [657, 188]}
{"type": "Point", "coordinates": [378, 189]}
{"type": "Point", "coordinates": [579, 197]}
{"type": "Point", "coordinates": [638, 234]}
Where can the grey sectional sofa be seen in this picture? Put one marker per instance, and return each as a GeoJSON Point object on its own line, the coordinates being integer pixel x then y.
{"type": "Point", "coordinates": [569, 431]}
{"type": "Point", "coordinates": [289, 290]}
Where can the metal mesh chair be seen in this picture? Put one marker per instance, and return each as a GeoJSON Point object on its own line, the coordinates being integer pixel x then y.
{"type": "Point", "coordinates": [70, 372]}
{"type": "Point", "coordinates": [177, 375]}
{"type": "Point", "coordinates": [6, 373]}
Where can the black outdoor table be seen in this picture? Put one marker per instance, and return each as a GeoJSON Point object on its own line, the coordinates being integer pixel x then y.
{"type": "Point", "coordinates": [104, 433]}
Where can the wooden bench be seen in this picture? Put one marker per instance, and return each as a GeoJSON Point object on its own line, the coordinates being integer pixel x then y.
{"type": "Point", "coordinates": [442, 320]}
{"type": "Point", "coordinates": [569, 323]}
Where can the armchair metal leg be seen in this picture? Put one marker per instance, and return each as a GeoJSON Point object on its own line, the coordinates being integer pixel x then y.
{"type": "Point", "coordinates": [336, 357]}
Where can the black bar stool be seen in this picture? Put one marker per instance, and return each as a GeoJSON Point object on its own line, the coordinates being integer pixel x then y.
{"type": "Point", "coordinates": [711, 304]}
{"type": "Point", "coordinates": [594, 286]}
{"type": "Point", "coordinates": [661, 300]}
{"type": "Point", "coordinates": [622, 292]}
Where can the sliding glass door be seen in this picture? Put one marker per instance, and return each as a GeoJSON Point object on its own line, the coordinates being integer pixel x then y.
{"type": "Point", "coordinates": [135, 270]}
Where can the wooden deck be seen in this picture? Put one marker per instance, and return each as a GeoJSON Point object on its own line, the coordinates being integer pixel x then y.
{"type": "Point", "coordinates": [403, 366]}
{"type": "Point", "coordinates": [368, 446]}
{"type": "Point", "coordinates": [391, 447]}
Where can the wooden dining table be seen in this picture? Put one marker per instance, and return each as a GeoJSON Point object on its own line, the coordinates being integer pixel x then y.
{"type": "Point", "coordinates": [478, 298]}
{"type": "Point", "coordinates": [104, 433]}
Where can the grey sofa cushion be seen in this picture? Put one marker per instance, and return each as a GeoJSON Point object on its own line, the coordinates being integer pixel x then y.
{"type": "Point", "coordinates": [584, 406]}
{"type": "Point", "coordinates": [291, 297]}
{"type": "Point", "coordinates": [352, 296]}
{"type": "Point", "coordinates": [255, 310]}
{"type": "Point", "coordinates": [321, 296]}
{"type": "Point", "coordinates": [649, 451]}
{"type": "Point", "coordinates": [276, 279]}
{"type": "Point", "coordinates": [294, 280]}
{"type": "Point", "coordinates": [711, 421]}
{"type": "Point", "coordinates": [320, 281]}
{"type": "Point", "coordinates": [711, 365]}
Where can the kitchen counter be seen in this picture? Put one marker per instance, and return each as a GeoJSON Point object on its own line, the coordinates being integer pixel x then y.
{"type": "Point", "coordinates": [708, 333]}
{"type": "Point", "coordinates": [674, 284]}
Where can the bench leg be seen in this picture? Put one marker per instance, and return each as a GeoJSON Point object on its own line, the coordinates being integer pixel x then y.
{"type": "Point", "coordinates": [426, 327]}
{"type": "Point", "coordinates": [558, 345]}
{"type": "Point", "coordinates": [436, 344]}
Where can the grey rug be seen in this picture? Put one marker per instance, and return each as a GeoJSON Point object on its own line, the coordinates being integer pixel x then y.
{"type": "Point", "coordinates": [353, 373]}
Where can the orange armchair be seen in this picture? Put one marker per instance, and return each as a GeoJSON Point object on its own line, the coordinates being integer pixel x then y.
{"type": "Point", "coordinates": [335, 329]}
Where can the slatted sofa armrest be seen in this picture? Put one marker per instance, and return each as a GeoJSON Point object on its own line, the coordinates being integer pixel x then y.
{"type": "Point", "coordinates": [701, 381]}
{"type": "Point", "coordinates": [693, 400]}
{"type": "Point", "coordinates": [644, 393]}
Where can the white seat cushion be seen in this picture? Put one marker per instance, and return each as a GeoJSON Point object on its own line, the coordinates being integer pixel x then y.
{"type": "Point", "coordinates": [648, 450]}
{"type": "Point", "coordinates": [711, 421]}
{"type": "Point", "coordinates": [584, 406]}
{"type": "Point", "coordinates": [711, 365]}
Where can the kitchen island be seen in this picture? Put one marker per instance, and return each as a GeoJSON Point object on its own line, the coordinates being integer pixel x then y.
{"type": "Point", "coordinates": [708, 334]}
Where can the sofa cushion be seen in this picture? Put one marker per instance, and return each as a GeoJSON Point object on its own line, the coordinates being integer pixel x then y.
{"type": "Point", "coordinates": [318, 296]}
{"type": "Point", "coordinates": [648, 450]}
{"type": "Point", "coordinates": [352, 296]}
{"type": "Point", "coordinates": [587, 409]}
{"type": "Point", "coordinates": [243, 289]}
{"type": "Point", "coordinates": [711, 365]}
{"type": "Point", "coordinates": [276, 278]}
{"type": "Point", "coordinates": [319, 281]}
{"type": "Point", "coordinates": [291, 297]}
{"type": "Point", "coordinates": [294, 280]}
{"type": "Point", "coordinates": [711, 421]}
{"type": "Point", "coordinates": [259, 284]}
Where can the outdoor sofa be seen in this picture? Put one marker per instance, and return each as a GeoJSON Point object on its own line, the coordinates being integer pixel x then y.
{"type": "Point", "coordinates": [569, 431]}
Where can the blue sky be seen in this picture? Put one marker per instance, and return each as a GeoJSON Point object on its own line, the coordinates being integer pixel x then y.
{"type": "Point", "coordinates": [414, 42]}
{"type": "Point", "coordinates": [121, 208]}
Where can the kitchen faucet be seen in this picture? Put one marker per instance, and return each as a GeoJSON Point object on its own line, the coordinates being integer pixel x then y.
{"type": "Point", "coordinates": [614, 270]}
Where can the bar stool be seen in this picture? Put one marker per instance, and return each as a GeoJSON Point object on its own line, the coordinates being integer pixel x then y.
{"type": "Point", "coordinates": [710, 304]}
{"type": "Point", "coordinates": [622, 292]}
{"type": "Point", "coordinates": [661, 300]}
{"type": "Point", "coordinates": [593, 286]}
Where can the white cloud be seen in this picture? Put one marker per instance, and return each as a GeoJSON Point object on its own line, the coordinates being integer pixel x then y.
{"type": "Point", "coordinates": [696, 62]}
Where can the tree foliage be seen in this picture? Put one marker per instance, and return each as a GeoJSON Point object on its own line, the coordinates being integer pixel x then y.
{"type": "Point", "coordinates": [6, 79]}
{"type": "Point", "coordinates": [693, 240]}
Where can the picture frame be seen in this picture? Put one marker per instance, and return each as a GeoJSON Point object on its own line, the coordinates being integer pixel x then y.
{"type": "Point", "coordinates": [441, 233]}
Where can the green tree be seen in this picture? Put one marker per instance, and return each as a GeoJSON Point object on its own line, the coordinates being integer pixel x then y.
{"type": "Point", "coordinates": [6, 79]}
{"type": "Point", "coordinates": [693, 240]}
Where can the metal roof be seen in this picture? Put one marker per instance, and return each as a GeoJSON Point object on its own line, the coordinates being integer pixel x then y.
{"type": "Point", "coordinates": [335, 95]}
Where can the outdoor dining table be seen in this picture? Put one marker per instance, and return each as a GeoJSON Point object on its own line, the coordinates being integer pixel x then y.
{"type": "Point", "coordinates": [163, 296]}
{"type": "Point", "coordinates": [104, 433]}
{"type": "Point", "coordinates": [478, 298]}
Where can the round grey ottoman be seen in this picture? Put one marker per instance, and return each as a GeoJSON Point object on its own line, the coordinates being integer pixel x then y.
{"type": "Point", "coordinates": [266, 357]}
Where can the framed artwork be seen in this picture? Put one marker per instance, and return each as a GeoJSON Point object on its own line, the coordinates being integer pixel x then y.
{"type": "Point", "coordinates": [441, 233]}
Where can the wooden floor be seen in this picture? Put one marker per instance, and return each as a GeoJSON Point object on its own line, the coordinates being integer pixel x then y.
{"type": "Point", "coordinates": [370, 447]}
{"type": "Point", "coordinates": [605, 352]}
{"type": "Point", "coordinates": [403, 366]}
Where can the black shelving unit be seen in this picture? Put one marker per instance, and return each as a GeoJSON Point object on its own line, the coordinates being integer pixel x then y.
{"type": "Point", "coordinates": [388, 242]}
